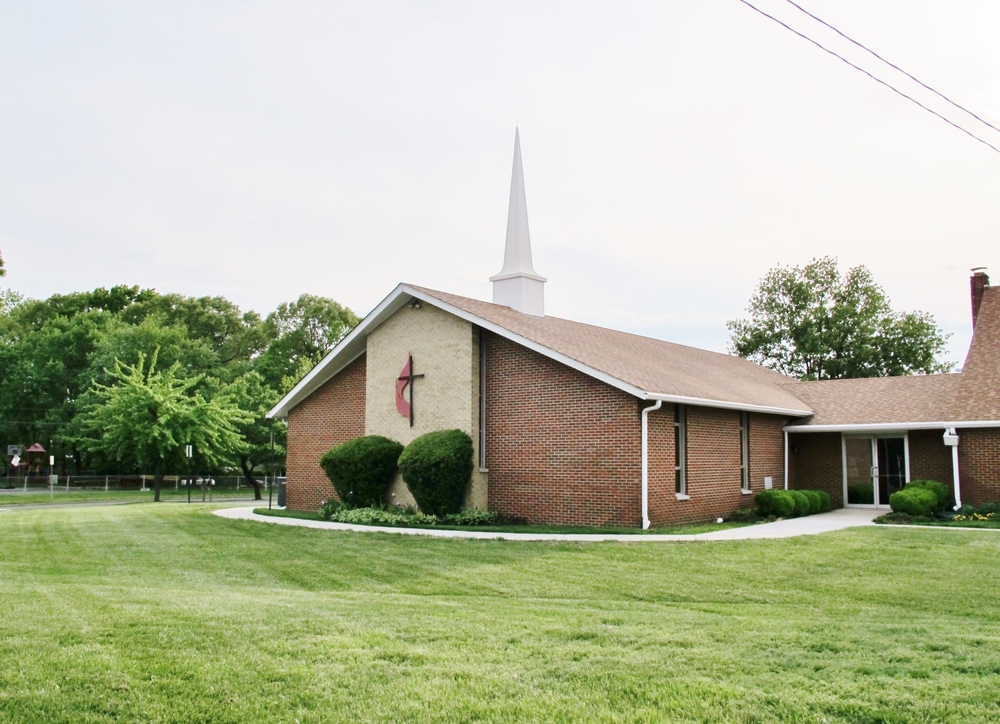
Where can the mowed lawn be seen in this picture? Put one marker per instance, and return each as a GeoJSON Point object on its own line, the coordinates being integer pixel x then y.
{"type": "Point", "coordinates": [167, 613]}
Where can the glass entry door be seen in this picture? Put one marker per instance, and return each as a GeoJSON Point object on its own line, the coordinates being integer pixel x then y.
{"type": "Point", "coordinates": [874, 469]}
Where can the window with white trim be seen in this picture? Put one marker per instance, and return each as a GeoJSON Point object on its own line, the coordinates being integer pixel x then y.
{"type": "Point", "coordinates": [680, 449]}
{"type": "Point", "coordinates": [745, 450]}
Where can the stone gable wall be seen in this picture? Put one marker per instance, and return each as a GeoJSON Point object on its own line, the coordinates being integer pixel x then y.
{"type": "Point", "coordinates": [445, 349]}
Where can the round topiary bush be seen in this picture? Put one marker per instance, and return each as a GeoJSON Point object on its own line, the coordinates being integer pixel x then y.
{"type": "Point", "coordinates": [826, 503]}
{"type": "Point", "coordinates": [918, 501]}
{"type": "Point", "coordinates": [361, 469]}
{"type": "Point", "coordinates": [940, 490]}
{"type": "Point", "coordinates": [801, 502]}
{"type": "Point", "coordinates": [815, 501]}
{"type": "Point", "coordinates": [437, 467]}
{"type": "Point", "coordinates": [778, 503]}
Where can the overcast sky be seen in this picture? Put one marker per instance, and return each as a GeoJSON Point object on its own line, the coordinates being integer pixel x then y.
{"type": "Point", "coordinates": [674, 151]}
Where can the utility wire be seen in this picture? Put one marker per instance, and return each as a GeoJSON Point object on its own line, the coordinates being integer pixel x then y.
{"type": "Point", "coordinates": [877, 80]}
{"type": "Point", "coordinates": [894, 66]}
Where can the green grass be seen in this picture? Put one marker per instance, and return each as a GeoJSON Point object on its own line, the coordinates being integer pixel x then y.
{"type": "Point", "coordinates": [167, 613]}
{"type": "Point", "coordinates": [689, 529]}
{"type": "Point", "coordinates": [62, 497]}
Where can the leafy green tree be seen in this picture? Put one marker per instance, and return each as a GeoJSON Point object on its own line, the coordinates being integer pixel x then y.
{"type": "Point", "coordinates": [300, 334]}
{"type": "Point", "coordinates": [814, 324]}
{"type": "Point", "coordinates": [252, 395]}
{"type": "Point", "coordinates": [147, 417]}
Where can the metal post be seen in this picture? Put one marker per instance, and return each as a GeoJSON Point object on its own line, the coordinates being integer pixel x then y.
{"type": "Point", "coordinates": [189, 452]}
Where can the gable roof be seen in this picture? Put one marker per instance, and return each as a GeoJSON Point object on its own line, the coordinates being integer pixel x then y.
{"type": "Point", "coordinates": [647, 368]}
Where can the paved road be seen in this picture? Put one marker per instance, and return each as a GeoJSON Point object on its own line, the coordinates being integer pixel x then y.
{"type": "Point", "coordinates": [810, 525]}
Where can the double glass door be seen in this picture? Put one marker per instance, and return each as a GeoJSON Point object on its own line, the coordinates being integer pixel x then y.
{"type": "Point", "coordinates": [874, 469]}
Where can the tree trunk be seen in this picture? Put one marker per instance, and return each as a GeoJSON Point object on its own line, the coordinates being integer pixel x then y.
{"type": "Point", "coordinates": [157, 480]}
{"type": "Point", "coordinates": [248, 472]}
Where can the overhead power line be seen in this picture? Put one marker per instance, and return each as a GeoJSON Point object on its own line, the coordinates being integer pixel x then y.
{"type": "Point", "coordinates": [894, 66]}
{"type": "Point", "coordinates": [873, 77]}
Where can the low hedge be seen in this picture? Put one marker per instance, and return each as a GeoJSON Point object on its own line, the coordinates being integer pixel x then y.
{"type": "Point", "coordinates": [815, 501]}
{"type": "Point", "coordinates": [801, 502]}
{"type": "Point", "coordinates": [437, 468]}
{"type": "Point", "coordinates": [778, 503]}
{"type": "Point", "coordinates": [404, 517]}
{"type": "Point", "coordinates": [916, 501]}
{"type": "Point", "coordinates": [792, 503]}
{"type": "Point", "coordinates": [940, 490]}
{"type": "Point", "coordinates": [361, 469]}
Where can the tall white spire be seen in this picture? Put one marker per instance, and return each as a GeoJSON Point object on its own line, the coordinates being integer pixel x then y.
{"type": "Point", "coordinates": [517, 285]}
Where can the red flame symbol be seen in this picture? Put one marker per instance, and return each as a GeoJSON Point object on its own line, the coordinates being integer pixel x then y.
{"type": "Point", "coordinates": [402, 404]}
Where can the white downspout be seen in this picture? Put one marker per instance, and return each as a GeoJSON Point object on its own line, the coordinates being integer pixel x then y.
{"type": "Point", "coordinates": [951, 440]}
{"type": "Point", "coordinates": [786, 459]}
{"type": "Point", "coordinates": [645, 462]}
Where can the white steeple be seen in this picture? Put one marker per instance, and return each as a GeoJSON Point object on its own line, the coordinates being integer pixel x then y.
{"type": "Point", "coordinates": [517, 285]}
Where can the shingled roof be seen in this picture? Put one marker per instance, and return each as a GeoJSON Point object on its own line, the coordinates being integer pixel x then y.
{"type": "Point", "coordinates": [653, 369]}
{"type": "Point", "coordinates": [652, 366]}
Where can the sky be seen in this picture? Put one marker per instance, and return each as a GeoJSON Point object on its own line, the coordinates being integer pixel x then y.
{"type": "Point", "coordinates": [673, 151]}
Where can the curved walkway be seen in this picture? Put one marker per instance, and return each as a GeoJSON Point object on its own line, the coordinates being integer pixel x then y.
{"type": "Point", "coordinates": [810, 525]}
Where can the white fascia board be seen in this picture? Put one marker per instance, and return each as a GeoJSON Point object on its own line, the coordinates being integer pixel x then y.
{"type": "Point", "coordinates": [725, 405]}
{"type": "Point", "coordinates": [346, 351]}
{"type": "Point", "coordinates": [883, 426]}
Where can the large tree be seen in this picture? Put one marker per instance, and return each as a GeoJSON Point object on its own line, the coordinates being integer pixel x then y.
{"type": "Point", "coordinates": [147, 417]}
{"type": "Point", "coordinates": [814, 324]}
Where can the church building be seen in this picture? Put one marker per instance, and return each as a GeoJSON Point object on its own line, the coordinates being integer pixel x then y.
{"type": "Point", "coordinates": [574, 424]}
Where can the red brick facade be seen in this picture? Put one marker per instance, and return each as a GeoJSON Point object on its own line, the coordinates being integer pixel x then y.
{"type": "Point", "coordinates": [564, 448]}
{"type": "Point", "coordinates": [979, 465]}
{"type": "Point", "coordinates": [930, 458]}
{"type": "Point", "coordinates": [561, 447]}
{"type": "Point", "coordinates": [329, 416]}
{"type": "Point", "coordinates": [816, 462]}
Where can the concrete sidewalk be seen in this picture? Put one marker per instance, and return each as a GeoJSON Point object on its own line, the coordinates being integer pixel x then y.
{"type": "Point", "coordinates": [810, 525]}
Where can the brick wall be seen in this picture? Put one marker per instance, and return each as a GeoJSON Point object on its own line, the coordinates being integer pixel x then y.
{"type": "Point", "coordinates": [767, 452]}
{"type": "Point", "coordinates": [815, 462]}
{"type": "Point", "coordinates": [332, 414]}
{"type": "Point", "coordinates": [930, 458]}
{"type": "Point", "coordinates": [562, 447]}
{"type": "Point", "coordinates": [714, 486]}
{"type": "Point", "coordinates": [979, 465]}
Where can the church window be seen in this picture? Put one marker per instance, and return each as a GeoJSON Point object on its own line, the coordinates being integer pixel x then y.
{"type": "Point", "coordinates": [745, 450]}
{"type": "Point", "coordinates": [680, 449]}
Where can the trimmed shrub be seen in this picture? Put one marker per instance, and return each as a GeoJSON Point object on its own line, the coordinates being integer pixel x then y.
{"type": "Point", "coordinates": [826, 503]}
{"type": "Point", "coordinates": [861, 494]}
{"type": "Point", "coordinates": [437, 467]}
{"type": "Point", "coordinates": [815, 501]}
{"type": "Point", "coordinates": [778, 503]}
{"type": "Point", "coordinates": [472, 517]}
{"type": "Point", "coordinates": [939, 489]}
{"type": "Point", "coordinates": [916, 501]}
{"type": "Point", "coordinates": [361, 469]}
{"type": "Point", "coordinates": [801, 502]}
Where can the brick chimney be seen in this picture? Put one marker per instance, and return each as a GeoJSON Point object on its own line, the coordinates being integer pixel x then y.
{"type": "Point", "coordinates": [979, 283]}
